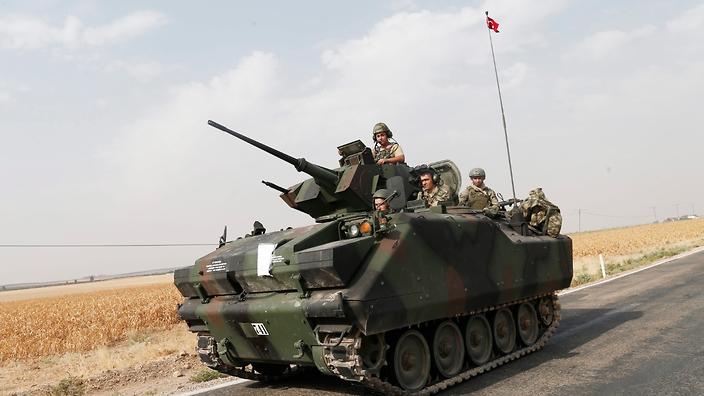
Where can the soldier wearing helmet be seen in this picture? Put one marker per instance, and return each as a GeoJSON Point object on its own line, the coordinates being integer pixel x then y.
{"type": "Point", "coordinates": [381, 200]}
{"type": "Point", "coordinates": [386, 152]}
{"type": "Point", "coordinates": [477, 195]}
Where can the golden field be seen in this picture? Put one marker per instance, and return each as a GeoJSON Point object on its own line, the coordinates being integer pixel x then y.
{"type": "Point", "coordinates": [79, 318]}
{"type": "Point", "coordinates": [630, 240]}
{"type": "Point", "coordinates": [82, 322]}
{"type": "Point", "coordinates": [629, 247]}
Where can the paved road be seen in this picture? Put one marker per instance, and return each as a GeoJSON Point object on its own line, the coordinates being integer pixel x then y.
{"type": "Point", "coordinates": [642, 334]}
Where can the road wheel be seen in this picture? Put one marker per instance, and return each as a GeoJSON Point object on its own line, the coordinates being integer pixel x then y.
{"type": "Point", "coordinates": [504, 331]}
{"type": "Point", "coordinates": [372, 352]}
{"type": "Point", "coordinates": [546, 310]}
{"type": "Point", "coordinates": [478, 339]}
{"type": "Point", "coordinates": [448, 349]}
{"type": "Point", "coordinates": [527, 321]}
{"type": "Point", "coordinates": [412, 360]}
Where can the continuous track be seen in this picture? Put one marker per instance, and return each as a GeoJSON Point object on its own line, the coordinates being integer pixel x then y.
{"type": "Point", "coordinates": [384, 387]}
{"type": "Point", "coordinates": [387, 388]}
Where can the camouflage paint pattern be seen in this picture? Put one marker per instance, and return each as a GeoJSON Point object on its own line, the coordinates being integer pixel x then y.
{"type": "Point", "coordinates": [415, 266]}
{"type": "Point", "coordinates": [428, 266]}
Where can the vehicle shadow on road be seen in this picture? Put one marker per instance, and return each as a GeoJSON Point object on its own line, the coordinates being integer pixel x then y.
{"type": "Point", "coordinates": [309, 382]}
{"type": "Point", "coordinates": [578, 327]}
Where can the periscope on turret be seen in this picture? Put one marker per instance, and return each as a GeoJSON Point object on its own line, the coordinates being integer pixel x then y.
{"type": "Point", "coordinates": [424, 299]}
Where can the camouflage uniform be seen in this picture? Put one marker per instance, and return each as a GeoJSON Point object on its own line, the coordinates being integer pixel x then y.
{"type": "Point", "coordinates": [438, 194]}
{"type": "Point", "coordinates": [536, 208]}
{"type": "Point", "coordinates": [479, 198]}
{"type": "Point", "coordinates": [390, 151]}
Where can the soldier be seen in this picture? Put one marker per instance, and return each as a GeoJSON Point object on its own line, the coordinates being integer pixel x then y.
{"type": "Point", "coordinates": [478, 196]}
{"type": "Point", "coordinates": [384, 151]}
{"type": "Point", "coordinates": [541, 214]}
{"type": "Point", "coordinates": [381, 202]}
{"type": "Point", "coordinates": [433, 191]}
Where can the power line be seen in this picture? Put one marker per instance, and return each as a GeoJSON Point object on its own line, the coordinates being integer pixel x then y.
{"type": "Point", "coordinates": [102, 245]}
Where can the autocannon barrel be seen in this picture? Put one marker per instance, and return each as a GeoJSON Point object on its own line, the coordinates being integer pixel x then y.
{"type": "Point", "coordinates": [319, 173]}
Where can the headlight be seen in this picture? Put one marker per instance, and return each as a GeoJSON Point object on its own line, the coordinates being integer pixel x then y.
{"type": "Point", "coordinates": [353, 231]}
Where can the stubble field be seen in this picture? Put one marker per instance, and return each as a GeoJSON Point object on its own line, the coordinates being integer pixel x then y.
{"type": "Point", "coordinates": [74, 321]}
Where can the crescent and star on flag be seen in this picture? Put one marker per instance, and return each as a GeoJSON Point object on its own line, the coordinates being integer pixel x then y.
{"type": "Point", "coordinates": [491, 24]}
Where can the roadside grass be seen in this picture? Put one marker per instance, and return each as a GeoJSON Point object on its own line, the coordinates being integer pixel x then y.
{"type": "Point", "coordinates": [206, 375]}
{"type": "Point", "coordinates": [629, 264]}
{"type": "Point", "coordinates": [69, 386]}
{"type": "Point", "coordinates": [582, 278]}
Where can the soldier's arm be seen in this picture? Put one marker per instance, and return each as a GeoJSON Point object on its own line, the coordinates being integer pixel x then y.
{"type": "Point", "coordinates": [397, 158]}
{"type": "Point", "coordinates": [493, 199]}
{"type": "Point", "coordinates": [493, 208]}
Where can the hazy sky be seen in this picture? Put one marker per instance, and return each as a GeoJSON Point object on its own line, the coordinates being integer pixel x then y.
{"type": "Point", "coordinates": [103, 111]}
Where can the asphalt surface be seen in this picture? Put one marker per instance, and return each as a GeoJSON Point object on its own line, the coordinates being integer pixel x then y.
{"type": "Point", "coordinates": [642, 334]}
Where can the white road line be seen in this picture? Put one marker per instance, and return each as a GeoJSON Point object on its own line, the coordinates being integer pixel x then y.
{"type": "Point", "coordinates": [655, 264]}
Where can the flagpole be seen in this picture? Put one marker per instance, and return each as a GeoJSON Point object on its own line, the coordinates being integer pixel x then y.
{"type": "Point", "coordinates": [503, 116]}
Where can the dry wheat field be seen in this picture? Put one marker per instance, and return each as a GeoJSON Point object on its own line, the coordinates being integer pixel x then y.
{"type": "Point", "coordinates": [631, 240]}
{"type": "Point", "coordinates": [63, 323]}
{"type": "Point", "coordinates": [82, 322]}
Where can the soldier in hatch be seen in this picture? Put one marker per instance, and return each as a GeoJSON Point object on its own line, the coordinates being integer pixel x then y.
{"type": "Point", "coordinates": [386, 152]}
{"type": "Point", "coordinates": [478, 196]}
{"type": "Point", "coordinates": [381, 200]}
{"type": "Point", "coordinates": [434, 192]}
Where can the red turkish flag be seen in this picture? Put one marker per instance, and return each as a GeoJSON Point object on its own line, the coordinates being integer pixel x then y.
{"type": "Point", "coordinates": [492, 24]}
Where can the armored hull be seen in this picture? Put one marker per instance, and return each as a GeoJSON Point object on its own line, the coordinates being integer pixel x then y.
{"type": "Point", "coordinates": [407, 301]}
{"type": "Point", "coordinates": [450, 289]}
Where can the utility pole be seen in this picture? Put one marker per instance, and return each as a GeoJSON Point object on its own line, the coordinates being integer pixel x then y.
{"type": "Point", "coordinates": [655, 216]}
{"type": "Point", "coordinates": [579, 222]}
{"type": "Point", "coordinates": [677, 207]}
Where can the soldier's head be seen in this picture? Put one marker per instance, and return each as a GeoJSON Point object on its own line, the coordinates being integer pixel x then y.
{"type": "Point", "coordinates": [428, 180]}
{"type": "Point", "coordinates": [537, 193]}
{"type": "Point", "coordinates": [477, 175]}
{"type": "Point", "coordinates": [381, 133]}
{"type": "Point", "coordinates": [380, 200]}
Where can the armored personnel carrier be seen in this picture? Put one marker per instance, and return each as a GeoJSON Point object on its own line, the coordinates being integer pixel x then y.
{"type": "Point", "coordinates": [406, 302]}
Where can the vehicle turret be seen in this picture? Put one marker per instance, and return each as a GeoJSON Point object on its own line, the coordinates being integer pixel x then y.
{"type": "Point", "coordinates": [330, 192]}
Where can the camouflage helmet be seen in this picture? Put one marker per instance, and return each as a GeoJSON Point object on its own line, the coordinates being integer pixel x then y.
{"type": "Point", "coordinates": [379, 128]}
{"type": "Point", "coordinates": [477, 172]}
{"type": "Point", "coordinates": [381, 193]}
{"type": "Point", "coordinates": [537, 193]}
